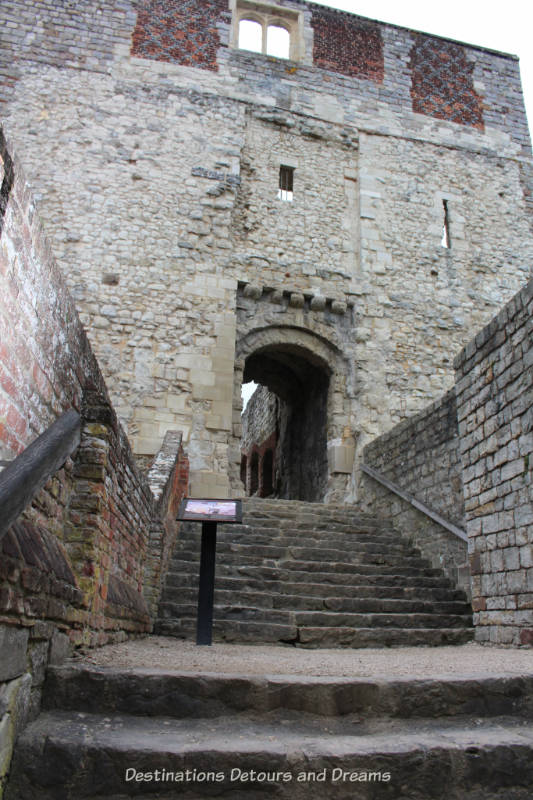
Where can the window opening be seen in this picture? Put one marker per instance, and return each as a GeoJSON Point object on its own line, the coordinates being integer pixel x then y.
{"type": "Point", "coordinates": [445, 241]}
{"type": "Point", "coordinates": [250, 36]}
{"type": "Point", "coordinates": [286, 183]}
{"type": "Point", "coordinates": [278, 41]}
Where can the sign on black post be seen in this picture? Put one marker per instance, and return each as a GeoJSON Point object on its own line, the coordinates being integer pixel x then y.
{"type": "Point", "coordinates": [209, 513]}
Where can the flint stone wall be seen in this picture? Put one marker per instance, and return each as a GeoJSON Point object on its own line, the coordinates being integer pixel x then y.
{"type": "Point", "coordinates": [157, 159]}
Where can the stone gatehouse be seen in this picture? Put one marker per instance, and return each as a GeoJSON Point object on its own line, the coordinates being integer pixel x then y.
{"type": "Point", "coordinates": [335, 225]}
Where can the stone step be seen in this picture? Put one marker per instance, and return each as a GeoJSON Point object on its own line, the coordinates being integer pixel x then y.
{"type": "Point", "coordinates": [316, 548]}
{"type": "Point", "coordinates": [177, 582]}
{"type": "Point", "coordinates": [189, 571]}
{"type": "Point", "coordinates": [91, 689]}
{"type": "Point", "coordinates": [278, 600]}
{"type": "Point", "coordinates": [292, 567]}
{"type": "Point", "coordinates": [72, 755]}
{"type": "Point", "coordinates": [242, 554]}
{"type": "Point", "coordinates": [343, 542]}
{"type": "Point", "coordinates": [382, 637]}
{"type": "Point", "coordinates": [242, 613]}
{"type": "Point", "coordinates": [321, 528]}
{"type": "Point", "coordinates": [251, 631]}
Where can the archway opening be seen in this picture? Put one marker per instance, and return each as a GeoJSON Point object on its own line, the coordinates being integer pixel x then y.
{"type": "Point", "coordinates": [285, 423]}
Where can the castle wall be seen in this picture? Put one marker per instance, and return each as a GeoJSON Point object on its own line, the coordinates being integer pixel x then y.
{"type": "Point", "coordinates": [155, 148]}
{"type": "Point", "coordinates": [259, 455]}
{"type": "Point", "coordinates": [422, 456]}
{"type": "Point", "coordinates": [74, 566]}
{"type": "Point", "coordinates": [494, 405]}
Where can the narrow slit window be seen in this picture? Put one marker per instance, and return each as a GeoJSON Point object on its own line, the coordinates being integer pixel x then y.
{"type": "Point", "coordinates": [446, 241]}
{"type": "Point", "coordinates": [286, 183]}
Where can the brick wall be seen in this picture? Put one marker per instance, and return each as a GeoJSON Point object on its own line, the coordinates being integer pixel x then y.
{"type": "Point", "coordinates": [495, 412]}
{"type": "Point", "coordinates": [179, 31]}
{"type": "Point", "coordinates": [422, 456]}
{"type": "Point", "coordinates": [347, 44]}
{"type": "Point", "coordinates": [76, 569]}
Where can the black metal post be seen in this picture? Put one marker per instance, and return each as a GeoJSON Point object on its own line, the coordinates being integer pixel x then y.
{"type": "Point", "coordinates": [206, 585]}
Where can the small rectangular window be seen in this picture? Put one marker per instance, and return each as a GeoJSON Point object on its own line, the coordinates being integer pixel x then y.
{"type": "Point", "coordinates": [286, 183]}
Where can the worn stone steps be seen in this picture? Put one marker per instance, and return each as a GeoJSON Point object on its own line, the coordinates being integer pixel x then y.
{"type": "Point", "coordinates": [329, 554]}
{"type": "Point", "coordinates": [428, 588]}
{"type": "Point", "coordinates": [80, 755]}
{"type": "Point", "coordinates": [279, 544]}
{"type": "Point", "coordinates": [309, 560]}
{"type": "Point", "coordinates": [289, 566]}
{"type": "Point", "coordinates": [274, 575]}
{"type": "Point", "coordinates": [151, 692]}
{"type": "Point", "coordinates": [251, 631]}
{"type": "Point", "coordinates": [241, 613]}
{"type": "Point", "coordinates": [263, 599]}
{"type": "Point", "coordinates": [103, 731]}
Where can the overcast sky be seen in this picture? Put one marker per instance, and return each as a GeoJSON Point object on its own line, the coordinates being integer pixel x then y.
{"type": "Point", "coordinates": [501, 26]}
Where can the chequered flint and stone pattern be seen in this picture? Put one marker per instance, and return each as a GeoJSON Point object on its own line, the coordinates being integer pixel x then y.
{"type": "Point", "coordinates": [179, 31]}
{"type": "Point", "coordinates": [442, 82]}
{"type": "Point", "coordinates": [347, 45]}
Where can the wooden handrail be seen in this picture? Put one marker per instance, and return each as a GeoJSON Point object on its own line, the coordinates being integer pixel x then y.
{"type": "Point", "coordinates": [26, 475]}
{"type": "Point", "coordinates": [434, 515]}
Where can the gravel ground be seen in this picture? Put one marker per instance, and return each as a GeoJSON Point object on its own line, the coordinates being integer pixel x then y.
{"type": "Point", "coordinates": [160, 652]}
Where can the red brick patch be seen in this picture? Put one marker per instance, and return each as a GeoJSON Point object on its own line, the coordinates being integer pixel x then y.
{"type": "Point", "coordinates": [179, 31]}
{"type": "Point", "coordinates": [348, 45]}
{"type": "Point", "coordinates": [442, 82]}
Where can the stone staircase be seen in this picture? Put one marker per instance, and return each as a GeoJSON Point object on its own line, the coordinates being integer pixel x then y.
{"type": "Point", "coordinates": [116, 734]}
{"type": "Point", "coordinates": [314, 575]}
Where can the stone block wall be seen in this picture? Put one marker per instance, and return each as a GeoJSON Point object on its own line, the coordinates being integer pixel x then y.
{"type": "Point", "coordinates": [260, 425]}
{"type": "Point", "coordinates": [77, 567]}
{"type": "Point", "coordinates": [495, 412]}
{"type": "Point", "coordinates": [347, 44]}
{"type": "Point", "coordinates": [422, 457]}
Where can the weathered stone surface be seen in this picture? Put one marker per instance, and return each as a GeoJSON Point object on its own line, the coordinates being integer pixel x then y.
{"type": "Point", "coordinates": [422, 456]}
{"type": "Point", "coordinates": [494, 398]}
{"type": "Point", "coordinates": [155, 271]}
{"type": "Point", "coordinates": [13, 646]}
{"type": "Point", "coordinates": [14, 710]}
{"type": "Point", "coordinates": [259, 568]}
{"type": "Point", "coordinates": [109, 690]}
{"type": "Point", "coordinates": [59, 648]}
{"type": "Point", "coordinates": [448, 738]}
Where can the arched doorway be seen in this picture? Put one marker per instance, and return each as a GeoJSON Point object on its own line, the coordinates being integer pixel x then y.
{"type": "Point", "coordinates": [299, 426]}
